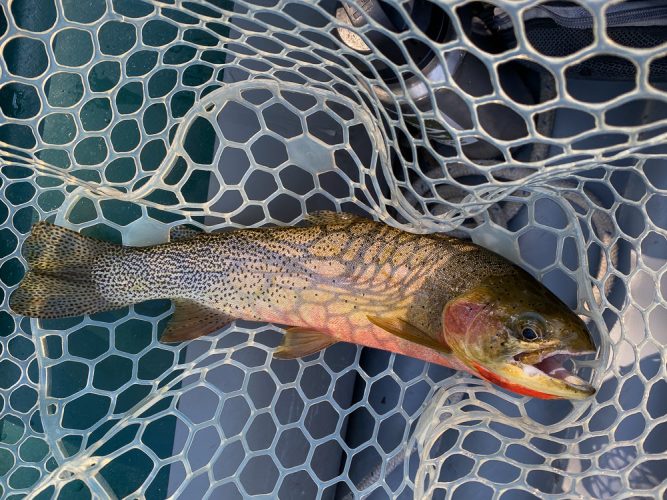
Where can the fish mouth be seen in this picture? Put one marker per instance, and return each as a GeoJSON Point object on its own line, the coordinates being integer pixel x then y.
{"type": "Point", "coordinates": [546, 372]}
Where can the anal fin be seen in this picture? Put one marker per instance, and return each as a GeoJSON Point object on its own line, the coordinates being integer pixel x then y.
{"type": "Point", "coordinates": [406, 331]}
{"type": "Point", "coordinates": [192, 320]}
{"type": "Point", "coordinates": [299, 342]}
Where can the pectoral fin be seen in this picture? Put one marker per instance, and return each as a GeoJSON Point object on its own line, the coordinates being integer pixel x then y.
{"type": "Point", "coordinates": [192, 320]}
{"type": "Point", "coordinates": [406, 331]}
{"type": "Point", "coordinates": [299, 342]}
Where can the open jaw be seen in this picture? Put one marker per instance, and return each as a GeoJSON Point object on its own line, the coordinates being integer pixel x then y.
{"type": "Point", "coordinates": [550, 364]}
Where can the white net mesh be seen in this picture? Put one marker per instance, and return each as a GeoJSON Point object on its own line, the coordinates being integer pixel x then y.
{"type": "Point", "coordinates": [123, 119]}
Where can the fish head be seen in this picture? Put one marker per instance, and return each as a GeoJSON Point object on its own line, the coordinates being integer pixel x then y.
{"type": "Point", "coordinates": [512, 331]}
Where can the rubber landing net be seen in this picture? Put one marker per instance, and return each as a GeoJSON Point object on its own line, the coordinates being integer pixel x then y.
{"type": "Point", "coordinates": [534, 128]}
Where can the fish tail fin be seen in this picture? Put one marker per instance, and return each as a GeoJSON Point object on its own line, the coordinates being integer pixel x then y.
{"type": "Point", "coordinates": [59, 281]}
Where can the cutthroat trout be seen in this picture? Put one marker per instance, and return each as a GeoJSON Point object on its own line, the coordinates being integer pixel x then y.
{"type": "Point", "coordinates": [342, 278]}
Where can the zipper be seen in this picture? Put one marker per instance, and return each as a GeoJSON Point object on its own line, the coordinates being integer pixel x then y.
{"type": "Point", "coordinates": [648, 14]}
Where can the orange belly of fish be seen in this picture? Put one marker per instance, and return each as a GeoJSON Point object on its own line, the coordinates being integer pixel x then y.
{"type": "Point", "coordinates": [356, 329]}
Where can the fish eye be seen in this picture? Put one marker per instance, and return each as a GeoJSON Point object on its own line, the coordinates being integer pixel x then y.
{"type": "Point", "coordinates": [529, 333]}
{"type": "Point", "coordinates": [529, 327]}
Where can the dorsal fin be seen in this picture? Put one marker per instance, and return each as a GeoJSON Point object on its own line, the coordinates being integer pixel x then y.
{"type": "Point", "coordinates": [192, 320]}
{"type": "Point", "coordinates": [299, 342]}
{"type": "Point", "coordinates": [184, 232]}
{"type": "Point", "coordinates": [330, 218]}
{"type": "Point", "coordinates": [406, 331]}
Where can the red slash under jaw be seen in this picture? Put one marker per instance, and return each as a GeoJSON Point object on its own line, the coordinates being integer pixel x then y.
{"type": "Point", "coordinates": [506, 384]}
